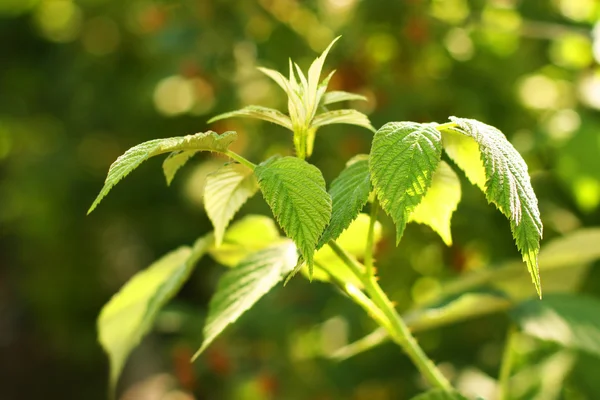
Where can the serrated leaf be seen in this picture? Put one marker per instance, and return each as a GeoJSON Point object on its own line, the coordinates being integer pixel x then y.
{"type": "Point", "coordinates": [336, 96]}
{"type": "Point", "coordinates": [464, 151]}
{"type": "Point", "coordinates": [241, 287]}
{"type": "Point", "coordinates": [440, 201]}
{"type": "Point", "coordinates": [568, 319]}
{"type": "Point", "coordinates": [207, 141]}
{"type": "Point", "coordinates": [508, 186]}
{"type": "Point", "coordinates": [226, 190]}
{"type": "Point", "coordinates": [404, 156]}
{"type": "Point", "coordinates": [349, 194]}
{"type": "Point", "coordinates": [259, 112]}
{"type": "Point", "coordinates": [174, 162]}
{"type": "Point", "coordinates": [246, 236]}
{"type": "Point", "coordinates": [130, 313]}
{"type": "Point", "coordinates": [295, 191]}
{"type": "Point", "coordinates": [354, 241]}
{"type": "Point", "coordinates": [439, 394]}
{"type": "Point", "coordinates": [351, 117]}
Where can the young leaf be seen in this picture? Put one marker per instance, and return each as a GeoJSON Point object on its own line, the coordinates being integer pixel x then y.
{"type": "Point", "coordinates": [278, 78]}
{"type": "Point", "coordinates": [295, 191]}
{"type": "Point", "coordinates": [241, 287]}
{"type": "Point", "coordinates": [464, 151]}
{"type": "Point", "coordinates": [404, 156]}
{"type": "Point", "coordinates": [439, 202]}
{"type": "Point", "coordinates": [338, 96]}
{"type": "Point", "coordinates": [226, 190]}
{"type": "Point", "coordinates": [208, 141]}
{"type": "Point", "coordinates": [349, 194]}
{"type": "Point", "coordinates": [351, 117]}
{"type": "Point", "coordinates": [314, 75]}
{"type": "Point", "coordinates": [439, 394]}
{"type": "Point", "coordinates": [259, 112]}
{"type": "Point", "coordinates": [174, 162]}
{"type": "Point", "coordinates": [570, 320]}
{"type": "Point", "coordinates": [508, 186]}
{"type": "Point", "coordinates": [248, 235]}
{"type": "Point", "coordinates": [130, 313]}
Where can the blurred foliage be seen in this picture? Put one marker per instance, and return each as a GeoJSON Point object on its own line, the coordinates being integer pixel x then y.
{"type": "Point", "coordinates": [84, 80]}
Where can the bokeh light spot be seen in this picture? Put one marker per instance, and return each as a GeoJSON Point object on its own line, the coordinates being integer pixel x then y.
{"type": "Point", "coordinates": [174, 95]}
{"type": "Point", "coordinates": [58, 20]}
{"type": "Point", "coordinates": [538, 92]}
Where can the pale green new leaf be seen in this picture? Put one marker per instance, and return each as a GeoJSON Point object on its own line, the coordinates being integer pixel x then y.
{"type": "Point", "coordinates": [568, 319]}
{"type": "Point", "coordinates": [508, 186]}
{"type": "Point", "coordinates": [278, 78]}
{"type": "Point", "coordinates": [174, 162]}
{"type": "Point", "coordinates": [351, 117]}
{"type": "Point", "coordinates": [440, 201]}
{"type": "Point", "coordinates": [207, 141]}
{"type": "Point", "coordinates": [464, 151]}
{"type": "Point", "coordinates": [439, 394]}
{"type": "Point", "coordinates": [338, 96]}
{"type": "Point", "coordinates": [295, 191]}
{"type": "Point", "coordinates": [404, 156]}
{"type": "Point", "coordinates": [130, 313]}
{"type": "Point", "coordinates": [259, 112]}
{"type": "Point", "coordinates": [241, 287]}
{"type": "Point", "coordinates": [314, 76]}
{"type": "Point", "coordinates": [226, 190]}
{"type": "Point", "coordinates": [248, 235]}
{"type": "Point", "coordinates": [349, 194]}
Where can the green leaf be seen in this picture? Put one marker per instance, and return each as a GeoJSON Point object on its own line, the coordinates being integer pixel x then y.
{"type": "Point", "coordinates": [226, 190]}
{"type": "Point", "coordinates": [295, 191]}
{"type": "Point", "coordinates": [246, 236]}
{"type": "Point", "coordinates": [174, 162]}
{"type": "Point", "coordinates": [440, 201]}
{"type": "Point", "coordinates": [439, 394]}
{"type": "Point", "coordinates": [570, 320]}
{"type": "Point", "coordinates": [208, 141]}
{"type": "Point", "coordinates": [351, 117]}
{"type": "Point", "coordinates": [349, 194]}
{"type": "Point", "coordinates": [259, 112]}
{"type": "Point", "coordinates": [338, 96]}
{"type": "Point", "coordinates": [130, 313]}
{"type": "Point", "coordinates": [404, 156]}
{"type": "Point", "coordinates": [464, 151]}
{"type": "Point", "coordinates": [241, 287]}
{"type": "Point", "coordinates": [508, 186]}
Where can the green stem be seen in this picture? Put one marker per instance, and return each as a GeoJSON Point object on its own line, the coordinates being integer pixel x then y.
{"type": "Point", "coordinates": [397, 329]}
{"type": "Point", "coordinates": [508, 359]}
{"type": "Point", "coordinates": [240, 159]}
{"type": "Point", "coordinates": [358, 296]}
{"type": "Point", "coordinates": [447, 125]}
{"type": "Point", "coordinates": [300, 135]}
{"type": "Point", "coordinates": [370, 240]}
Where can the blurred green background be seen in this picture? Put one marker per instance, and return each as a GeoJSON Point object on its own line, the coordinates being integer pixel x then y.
{"type": "Point", "coordinates": [82, 81]}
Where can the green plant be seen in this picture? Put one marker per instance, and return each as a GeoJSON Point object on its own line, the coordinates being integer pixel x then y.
{"type": "Point", "coordinates": [326, 234]}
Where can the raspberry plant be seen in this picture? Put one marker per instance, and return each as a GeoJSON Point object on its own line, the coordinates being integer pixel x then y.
{"type": "Point", "coordinates": [325, 232]}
